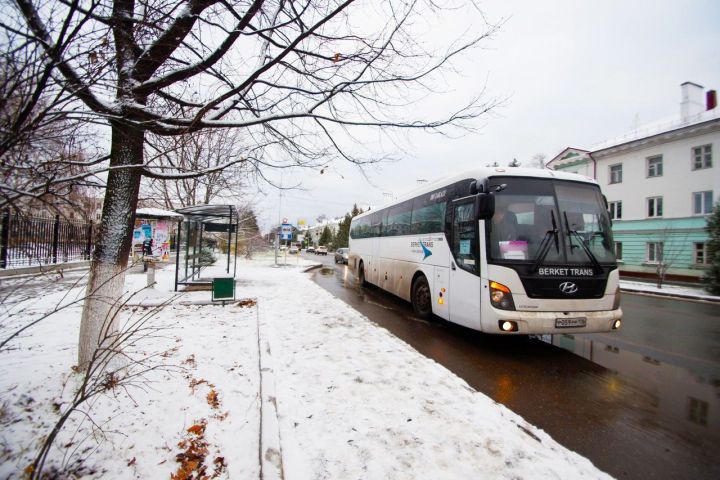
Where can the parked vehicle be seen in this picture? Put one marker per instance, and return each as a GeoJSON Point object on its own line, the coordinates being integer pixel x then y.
{"type": "Point", "coordinates": [310, 249]}
{"type": "Point", "coordinates": [293, 250]}
{"type": "Point", "coordinates": [341, 255]}
{"type": "Point", "coordinates": [321, 250]}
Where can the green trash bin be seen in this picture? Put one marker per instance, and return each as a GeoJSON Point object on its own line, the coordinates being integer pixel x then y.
{"type": "Point", "coordinates": [223, 288]}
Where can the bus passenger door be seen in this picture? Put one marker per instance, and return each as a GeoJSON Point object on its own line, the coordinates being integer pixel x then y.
{"type": "Point", "coordinates": [464, 283]}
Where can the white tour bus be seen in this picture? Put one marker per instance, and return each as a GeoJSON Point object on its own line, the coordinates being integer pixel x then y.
{"type": "Point", "coordinates": [501, 250]}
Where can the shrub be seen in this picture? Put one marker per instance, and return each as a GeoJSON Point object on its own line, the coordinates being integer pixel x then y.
{"type": "Point", "coordinates": [712, 274]}
{"type": "Point", "coordinates": [207, 257]}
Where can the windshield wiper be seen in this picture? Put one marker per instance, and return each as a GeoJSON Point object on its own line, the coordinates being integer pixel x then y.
{"type": "Point", "coordinates": [581, 240]}
{"type": "Point", "coordinates": [545, 244]}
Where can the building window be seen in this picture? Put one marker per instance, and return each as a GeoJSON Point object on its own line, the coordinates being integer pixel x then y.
{"type": "Point", "coordinates": [655, 166]}
{"type": "Point", "coordinates": [615, 210]}
{"type": "Point", "coordinates": [700, 253]}
{"type": "Point", "coordinates": [616, 173]}
{"type": "Point", "coordinates": [702, 202]}
{"type": "Point", "coordinates": [618, 250]}
{"type": "Point", "coordinates": [654, 252]}
{"type": "Point", "coordinates": [655, 207]}
{"type": "Point", "coordinates": [702, 157]}
{"type": "Point", "coordinates": [697, 411]}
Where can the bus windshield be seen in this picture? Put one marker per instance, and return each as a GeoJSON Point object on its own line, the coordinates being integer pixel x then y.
{"type": "Point", "coordinates": [549, 222]}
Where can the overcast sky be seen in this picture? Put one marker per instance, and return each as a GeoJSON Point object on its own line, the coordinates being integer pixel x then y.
{"type": "Point", "coordinates": [574, 73]}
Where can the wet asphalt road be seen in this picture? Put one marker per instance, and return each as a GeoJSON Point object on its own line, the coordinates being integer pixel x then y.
{"type": "Point", "coordinates": [640, 403]}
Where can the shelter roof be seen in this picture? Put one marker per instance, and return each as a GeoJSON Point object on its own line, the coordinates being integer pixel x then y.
{"type": "Point", "coordinates": [156, 213]}
{"type": "Point", "coordinates": [210, 213]}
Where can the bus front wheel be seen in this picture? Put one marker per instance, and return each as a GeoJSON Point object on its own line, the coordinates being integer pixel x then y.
{"type": "Point", "coordinates": [421, 298]}
{"type": "Point", "coordinates": [361, 275]}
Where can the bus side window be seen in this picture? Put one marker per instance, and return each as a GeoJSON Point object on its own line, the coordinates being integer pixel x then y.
{"type": "Point", "coordinates": [428, 218]}
{"type": "Point", "coordinates": [399, 218]}
{"type": "Point", "coordinates": [376, 224]}
{"type": "Point", "coordinates": [465, 237]}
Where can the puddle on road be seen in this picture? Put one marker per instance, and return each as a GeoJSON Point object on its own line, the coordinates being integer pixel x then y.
{"type": "Point", "coordinates": [687, 392]}
{"type": "Point", "coordinates": [327, 271]}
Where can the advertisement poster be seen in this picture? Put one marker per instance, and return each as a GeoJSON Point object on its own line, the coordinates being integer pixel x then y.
{"type": "Point", "coordinates": [158, 231]}
{"type": "Point", "coordinates": [162, 240]}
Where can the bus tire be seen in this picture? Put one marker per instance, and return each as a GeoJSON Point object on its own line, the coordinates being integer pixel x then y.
{"type": "Point", "coordinates": [361, 275]}
{"type": "Point", "coordinates": [421, 298]}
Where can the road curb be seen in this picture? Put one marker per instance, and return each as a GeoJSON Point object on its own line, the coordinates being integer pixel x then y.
{"type": "Point", "coordinates": [313, 267]}
{"type": "Point", "coordinates": [671, 295]}
{"type": "Point", "coordinates": [270, 453]}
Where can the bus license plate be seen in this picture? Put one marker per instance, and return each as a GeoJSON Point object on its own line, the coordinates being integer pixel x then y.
{"type": "Point", "coordinates": [570, 322]}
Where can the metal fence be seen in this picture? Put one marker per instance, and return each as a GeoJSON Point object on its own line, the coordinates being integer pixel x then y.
{"type": "Point", "coordinates": [30, 241]}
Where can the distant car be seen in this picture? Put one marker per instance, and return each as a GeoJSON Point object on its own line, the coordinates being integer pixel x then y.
{"type": "Point", "coordinates": [293, 249]}
{"type": "Point", "coordinates": [283, 248]}
{"type": "Point", "coordinates": [321, 250]}
{"type": "Point", "coordinates": [341, 255]}
{"type": "Point", "coordinates": [310, 249]}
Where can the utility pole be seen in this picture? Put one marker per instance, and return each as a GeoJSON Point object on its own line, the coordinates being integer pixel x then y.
{"type": "Point", "coordinates": [279, 227]}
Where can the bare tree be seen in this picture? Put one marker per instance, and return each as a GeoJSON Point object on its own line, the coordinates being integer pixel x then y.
{"type": "Point", "coordinates": [538, 160]}
{"type": "Point", "coordinates": [249, 238]}
{"type": "Point", "coordinates": [202, 150]}
{"type": "Point", "coordinates": [41, 140]}
{"type": "Point", "coordinates": [294, 77]}
{"type": "Point", "coordinates": [668, 247]}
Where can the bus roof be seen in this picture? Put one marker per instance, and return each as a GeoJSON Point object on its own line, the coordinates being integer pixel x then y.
{"type": "Point", "coordinates": [481, 174]}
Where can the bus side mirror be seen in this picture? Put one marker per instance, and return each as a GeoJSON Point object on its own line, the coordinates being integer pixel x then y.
{"type": "Point", "coordinates": [485, 206]}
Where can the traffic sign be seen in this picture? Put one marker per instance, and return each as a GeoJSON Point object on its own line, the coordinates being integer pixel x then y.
{"type": "Point", "coordinates": [286, 231]}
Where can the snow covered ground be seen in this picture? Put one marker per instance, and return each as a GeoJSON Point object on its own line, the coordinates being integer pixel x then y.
{"type": "Point", "coordinates": [667, 290]}
{"type": "Point", "coordinates": [289, 380]}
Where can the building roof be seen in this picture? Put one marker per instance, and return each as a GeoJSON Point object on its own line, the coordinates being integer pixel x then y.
{"type": "Point", "coordinates": [666, 128]}
{"type": "Point", "coordinates": [569, 155]}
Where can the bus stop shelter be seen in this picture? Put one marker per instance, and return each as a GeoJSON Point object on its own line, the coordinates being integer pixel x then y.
{"type": "Point", "coordinates": [205, 229]}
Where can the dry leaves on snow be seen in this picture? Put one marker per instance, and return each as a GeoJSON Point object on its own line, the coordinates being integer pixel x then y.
{"type": "Point", "coordinates": [246, 303]}
{"type": "Point", "coordinates": [192, 458]}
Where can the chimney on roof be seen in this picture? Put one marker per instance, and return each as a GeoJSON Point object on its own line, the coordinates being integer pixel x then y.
{"type": "Point", "coordinates": [692, 100]}
{"type": "Point", "coordinates": [710, 99]}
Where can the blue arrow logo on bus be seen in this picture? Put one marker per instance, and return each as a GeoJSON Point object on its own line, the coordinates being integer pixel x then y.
{"type": "Point", "coordinates": [426, 251]}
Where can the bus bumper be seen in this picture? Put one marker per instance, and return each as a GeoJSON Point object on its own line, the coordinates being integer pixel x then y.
{"type": "Point", "coordinates": [531, 323]}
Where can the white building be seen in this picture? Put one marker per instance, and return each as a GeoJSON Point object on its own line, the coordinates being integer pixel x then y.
{"type": "Point", "coordinates": [661, 183]}
{"type": "Point", "coordinates": [314, 233]}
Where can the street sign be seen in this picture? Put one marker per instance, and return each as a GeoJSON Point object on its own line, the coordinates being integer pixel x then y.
{"type": "Point", "coordinates": [286, 231]}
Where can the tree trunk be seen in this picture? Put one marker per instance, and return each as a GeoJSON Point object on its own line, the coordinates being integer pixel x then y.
{"type": "Point", "coordinates": [112, 250]}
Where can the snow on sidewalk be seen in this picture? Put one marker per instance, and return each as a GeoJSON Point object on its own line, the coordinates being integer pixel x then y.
{"type": "Point", "coordinates": [353, 401]}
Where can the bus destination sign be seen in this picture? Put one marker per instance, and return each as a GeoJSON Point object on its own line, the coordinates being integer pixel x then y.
{"type": "Point", "coordinates": [566, 271]}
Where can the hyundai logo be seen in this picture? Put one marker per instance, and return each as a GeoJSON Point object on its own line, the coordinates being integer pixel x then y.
{"type": "Point", "coordinates": [568, 288]}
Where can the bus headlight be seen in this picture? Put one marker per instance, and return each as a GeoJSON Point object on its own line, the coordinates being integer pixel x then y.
{"type": "Point", "coordinates": [501, 297]}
